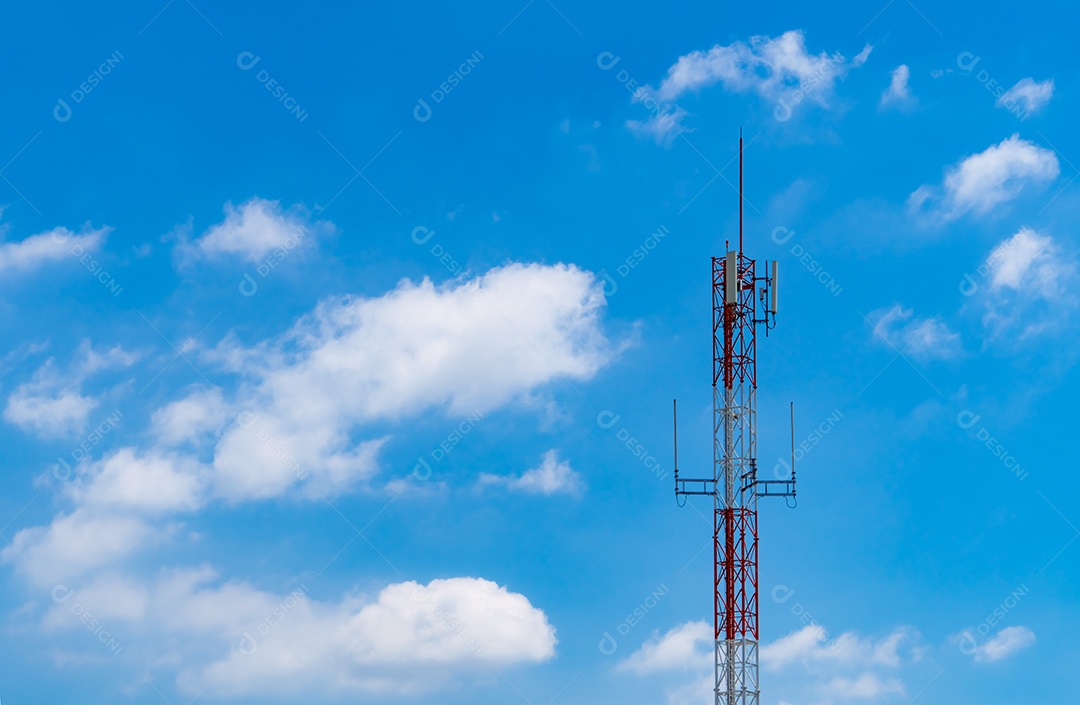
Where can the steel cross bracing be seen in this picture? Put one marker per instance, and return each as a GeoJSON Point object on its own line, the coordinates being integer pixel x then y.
{"type": "Point", "coordinates": [734, 485]}
{"type": "Point", "coordinates": [735, 539]}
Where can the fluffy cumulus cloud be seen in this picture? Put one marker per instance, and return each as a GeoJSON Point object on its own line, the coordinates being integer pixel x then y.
{"type": "Point", "coordinates": [552, 476]}
{"type": "Point", "coordinates": [898, 94]}
{"type": "Point", "coordinates": [191, 418]}
{"type": "Point", "coordinates": [52, 404]}
{"type": "Point", "coordinates": [810, 645]}
{"type": "Point", "coordinates": [464, 347]}
{"type": "Point", "coordinates": [75, 544]}
{"type": "Point", "coordinates": [981, 182]}
{"type": "Point", "coordinates": [1031, 283]}
{"type": "Point", "coordinates": [297, 421]}
{"type": "Point", "coordinates": [849, 667]}
{"type": "Point", "coordinates": [780, 70]}
{"type": "Point", "coordinates": [451, 628]}
{"type": "Point", "coordinates": [468, 346]}
{"type": "Point", "coordinates": [915, 336]}
{"type": "Point", "coordinates": [257, 228]}
{"type": "Point", "coordinates": [1028, 96]}
{"type": "Point", "coordinates": [685, 647]}
{"type": "Point", "coordinates": [58, 244]}
{"type": "Point", "coordinates": [152, 483]}
{"type": "Point", "coordinates": [232, 639]}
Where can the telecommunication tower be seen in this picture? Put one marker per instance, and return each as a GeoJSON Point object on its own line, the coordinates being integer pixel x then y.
{"type": "Point", "coordinates": [737, 292]}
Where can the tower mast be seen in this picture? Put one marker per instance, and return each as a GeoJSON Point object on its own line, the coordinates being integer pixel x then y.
{"type": "Point", "coordinates": [734, 485]}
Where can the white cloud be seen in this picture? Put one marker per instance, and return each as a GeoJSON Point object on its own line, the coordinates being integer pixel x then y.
{"type": "Point", "coordinates": [767, 66]}
{"type": "Point", "coordinates": [465, 346]}
{"type": "Point", "coordinates": [1028, 96]}
{"type": "Point", "coordinates": [1007, 642]}
{"type": "Point", "coordinates": [125, 481]}
{"type": "Point", "coordinates": [685, 647]}
{"type": "Point", "coordinates": [1032, 285]}
{"type": "Point", "coordinates": [256, 228]}
{"type": "Point", "coordinates": [298, 419]}
{"type": "Point", "coordinates": [187, 420]}
{"type": "Point", "coordinates": [1029, 262]}
{"type": "Point", "coordinates": [553, 476]}
{"type": "Point", "coordinates": [406, 626]}
{"type": "Point", "coordinates": [663, 127]}
{"type": "Point", "coordinates": [921, 338]}
{"type": "Point", "coordinates": [74, 544]}
{"type": "Point", "coordinates": [48, 413]}
{"type": "Point", "coordinates": [54, 245]}
{"type": "Point", "coordinates": [778, 69]}
{"type": "Point", "coordinates": [232, 639]}
{"type": "Point", "coordinates": [848, 667]}
{"type": "Point", "coordinates": [865, 686]}
{"type": "Point", "coordinates": [51, 404]}
{"type": "Point", "coordinates": [803, 645]}
{"type": "Point", "coordinates": [810, 645]}
{"type": "Point", "coordinates": [898, 94]}
{"type": "Point", "coordinates": [983, 181]}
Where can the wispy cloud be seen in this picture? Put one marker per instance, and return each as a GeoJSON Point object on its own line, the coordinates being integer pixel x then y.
{"type": "Point", "coordinates": [1006, 643]}
{"type": "Point", "coordinates": [779, 70]}
{"type": "Point", "coordinates": [56, 245]}
{"type": "Point", "coordinates": [1032, 285]}
{"type": "Point", "coordinates": [1029, 95]}
{"type": "Point", "coordinates": [52, 404]}
{"type": "Point", "coordinates": [898, 94]}
{"type": "Point", "coordinates": [921, 338]}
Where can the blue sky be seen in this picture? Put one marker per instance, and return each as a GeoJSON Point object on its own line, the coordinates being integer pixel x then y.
{"type": "Point", "coordinates": [340, 344]}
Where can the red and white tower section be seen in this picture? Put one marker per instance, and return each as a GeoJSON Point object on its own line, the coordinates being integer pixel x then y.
{"type": "Point", "coordinates": [739, 296]}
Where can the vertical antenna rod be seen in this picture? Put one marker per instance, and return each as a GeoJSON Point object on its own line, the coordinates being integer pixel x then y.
{"type": "Point", "coordinates": [675, 424]}
{"type": "Point", "coordinates": [740, 191]}
{"type": "Point", "coordinates": [733, 485]}
{"type": "Point", "coordinates": [793, 442]}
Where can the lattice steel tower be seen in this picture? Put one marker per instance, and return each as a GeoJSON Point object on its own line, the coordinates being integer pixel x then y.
{"type": "Point", "coordinates": [737, 291]}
